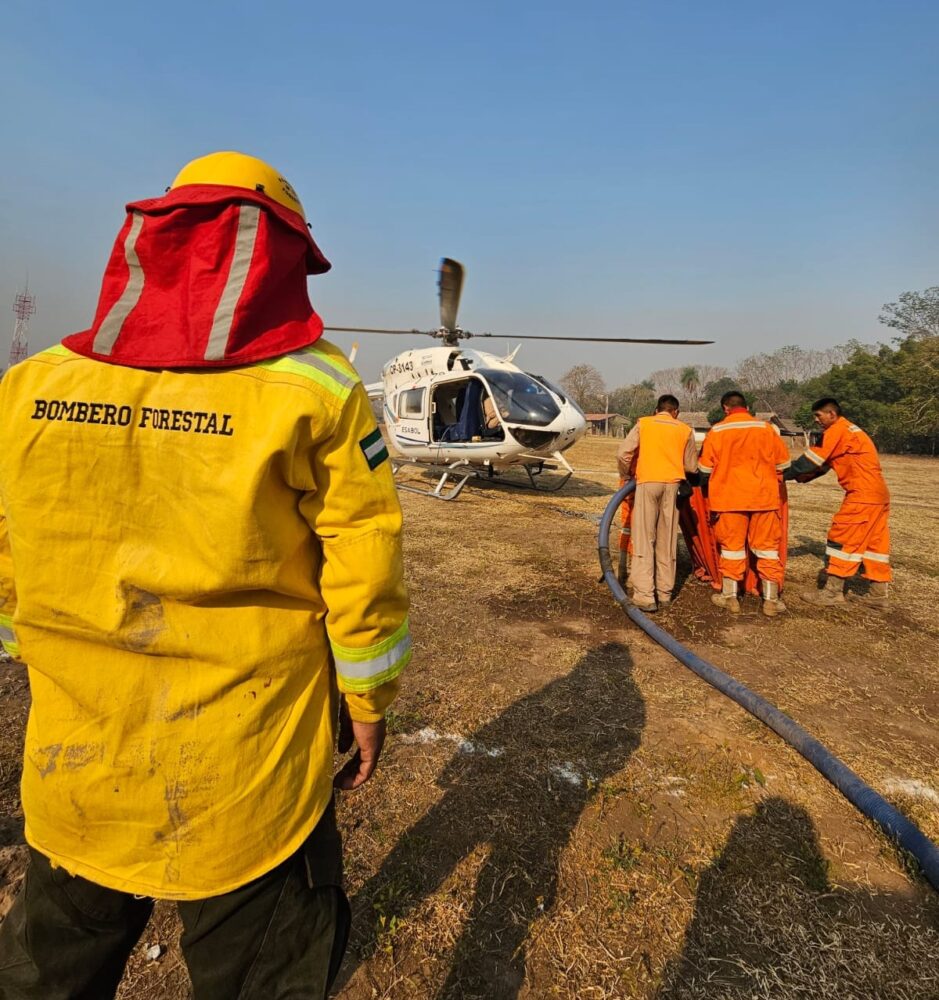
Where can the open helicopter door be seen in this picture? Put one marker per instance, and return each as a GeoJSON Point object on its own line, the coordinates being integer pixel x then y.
{"type": "Point", "coordinates": [459, 414]}
{"type": "Point", "coordinates": [413, 423]}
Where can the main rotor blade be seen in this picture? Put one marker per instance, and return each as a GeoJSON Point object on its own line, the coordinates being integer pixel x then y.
{"type": "Point", "coordinates": [368, 329]}
{"type": "Point", "coordinates": [592, 340]}
{"type": "Point", "coordinates": [450, 284]}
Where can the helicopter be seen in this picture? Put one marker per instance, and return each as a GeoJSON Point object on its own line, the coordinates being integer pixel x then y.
{"type": "Point", "coordinates": [464, 414]}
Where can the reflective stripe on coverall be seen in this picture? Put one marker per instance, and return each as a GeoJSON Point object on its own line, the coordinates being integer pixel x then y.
{"type": "Point", "coordinates": [761, 532]}
{"type": "Point", "coordinates": [859, 534]}
{"type": "Point", "coordinates": [744, 459]}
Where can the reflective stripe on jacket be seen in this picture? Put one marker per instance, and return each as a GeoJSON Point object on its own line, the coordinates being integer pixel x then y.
{"type": "Point", "coordinates": [744, 458]}
{"type": "Point", "coordinates": [201, 558]}
{"type": "Point", "coordinates": [852, 454]}
{"type": "Point", "coordinates": [7, 593]}
{"type": "Point", "coordinates": [664, 454]}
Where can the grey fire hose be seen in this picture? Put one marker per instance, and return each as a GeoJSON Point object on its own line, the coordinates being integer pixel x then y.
{"type": "Point", "coordinates": [900, 829]}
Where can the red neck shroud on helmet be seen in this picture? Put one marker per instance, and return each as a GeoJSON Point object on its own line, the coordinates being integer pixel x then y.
{"type": "Point", "coordinates": [206, 277]}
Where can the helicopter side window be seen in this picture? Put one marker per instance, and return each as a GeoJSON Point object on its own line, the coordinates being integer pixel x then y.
{"type": "Point", "coordinates": [411, 403]}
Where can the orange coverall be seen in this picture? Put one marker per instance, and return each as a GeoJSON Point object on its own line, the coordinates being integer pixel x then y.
{"type": "Point", "coordinates": [744, 459]}
{"type": "Point", "coordinates": [859, 533]}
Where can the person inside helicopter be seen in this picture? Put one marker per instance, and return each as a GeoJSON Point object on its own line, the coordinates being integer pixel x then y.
{"type": "Point", "coordinates": [521, 398]}
{"type": "Point", "coordinates": [465, 411]}
{"type": "Point", "coordinates": [492, 426]}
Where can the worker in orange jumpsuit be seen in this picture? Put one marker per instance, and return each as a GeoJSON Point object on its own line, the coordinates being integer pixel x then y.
{"type": "Point", "coordinates": [664, 452]}
{"type": "Point", "coordinates": [626, 529]}
{"type": "Point", "coordinates": [743, 459]}
{"type": "Point", "coordinates": [860, 534]}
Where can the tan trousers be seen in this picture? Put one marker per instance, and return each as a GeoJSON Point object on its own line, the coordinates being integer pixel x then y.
{"type": "Point", "coordinates": [655, 542]}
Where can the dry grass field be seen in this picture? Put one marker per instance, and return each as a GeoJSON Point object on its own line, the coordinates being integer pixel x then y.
{"type": "Point", "coordinates": [564, 811]}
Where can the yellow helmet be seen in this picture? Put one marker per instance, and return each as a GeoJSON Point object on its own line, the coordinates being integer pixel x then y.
{"type": "Point", "coordinates": [248, 173]}
{"type": "Point", "coordinates": [238, 170]}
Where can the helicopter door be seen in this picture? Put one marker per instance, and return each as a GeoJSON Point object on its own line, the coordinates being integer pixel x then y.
{"type": "Point", "coordinates": [458, 414]}
{"type": "Point", "coordinates": [445, 409]}
{"type": "Point", "coordinates": [410, 407]}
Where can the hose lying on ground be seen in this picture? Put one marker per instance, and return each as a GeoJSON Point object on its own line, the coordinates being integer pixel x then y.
{"type": "Point", "coordinates": [874, 806]}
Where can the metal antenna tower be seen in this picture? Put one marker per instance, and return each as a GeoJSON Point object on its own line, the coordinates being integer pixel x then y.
{"type": "Point", "coordinates": [24, 305]}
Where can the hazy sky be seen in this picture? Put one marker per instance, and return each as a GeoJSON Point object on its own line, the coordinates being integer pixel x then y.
{"type": "Point", "coordinates": [760, 174]}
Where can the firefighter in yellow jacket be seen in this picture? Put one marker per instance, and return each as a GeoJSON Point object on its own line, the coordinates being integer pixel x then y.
{"type": "Point", "coordinates": [199, 554]}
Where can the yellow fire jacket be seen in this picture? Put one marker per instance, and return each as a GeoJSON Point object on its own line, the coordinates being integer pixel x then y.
{"type": "Point", "coordinates": [200, 559]}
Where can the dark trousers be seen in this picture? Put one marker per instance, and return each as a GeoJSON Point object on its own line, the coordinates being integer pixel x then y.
{"type": "Point", "coordinates": [280, 936]}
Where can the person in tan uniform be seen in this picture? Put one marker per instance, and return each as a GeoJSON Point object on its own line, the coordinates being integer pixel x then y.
{"type": "Point", "coordinates": [665, 452]}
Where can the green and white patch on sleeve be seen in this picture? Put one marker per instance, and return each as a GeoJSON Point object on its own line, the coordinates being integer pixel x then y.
{"type": "Point", "coordinates": [373, 448]}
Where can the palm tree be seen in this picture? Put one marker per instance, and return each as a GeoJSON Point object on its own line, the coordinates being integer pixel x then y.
{"type": "Point", "coordinates": [690, 382]}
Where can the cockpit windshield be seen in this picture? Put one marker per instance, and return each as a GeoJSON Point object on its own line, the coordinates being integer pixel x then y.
{"type": "Point", "coordinates": [558, 392]}
{"type": "Point", "coordinates": [520, 398]}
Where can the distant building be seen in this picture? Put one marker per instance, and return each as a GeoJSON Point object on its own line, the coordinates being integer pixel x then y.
{"type": "Point", "coordinates": [786, 427]}
{"type": "Point", "coordinates": [613, 424]}
{"type": "Point", "coordinates": [697, 420]}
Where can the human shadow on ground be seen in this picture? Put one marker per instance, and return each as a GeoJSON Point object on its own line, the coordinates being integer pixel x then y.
{"type": "Point", "coordinates": [517, 787]}
{"type": "Point", "coordinates": [808, 546]}
{"type": "Point", "coordinates": [11, 831]}
{"type": "Point", "coordinates": [684, 567]}
{"type": "Point", "coordinates": [769, 923]}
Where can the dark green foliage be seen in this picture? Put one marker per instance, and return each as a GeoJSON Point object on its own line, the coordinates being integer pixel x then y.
{"type": "Point", "coordinates": [633, 401]}
{"type": "Point", "coordinates": [893, 394]}
{"type": "Point", "coordinates": [713, 391]}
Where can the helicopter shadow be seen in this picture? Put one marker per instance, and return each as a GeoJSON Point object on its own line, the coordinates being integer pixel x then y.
{"type": "Point", "coordinates": [575, 487]}
{"type": "Point", "coordinates": [520, 794]}
{"type": "Point", "coordinates": [518, 483]}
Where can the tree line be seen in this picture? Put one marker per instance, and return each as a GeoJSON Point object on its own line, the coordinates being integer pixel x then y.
{"type": "Point", "coordinates": [891, 390]}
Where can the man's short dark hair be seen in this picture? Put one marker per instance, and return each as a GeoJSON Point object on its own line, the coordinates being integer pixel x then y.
{"type": "Point", "coordinates": [667, 402]}
{"type": "Point", "coordinates": [827, 403]}
{"type": "Point", "coordinates": [733, 398]}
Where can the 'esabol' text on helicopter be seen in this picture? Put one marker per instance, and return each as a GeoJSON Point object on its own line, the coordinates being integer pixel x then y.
{"type": "Point", "coordinates": [464, 413]}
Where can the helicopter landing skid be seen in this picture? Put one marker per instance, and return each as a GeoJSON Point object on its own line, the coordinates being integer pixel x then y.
{"type": "Point", "coordinates": [458, 471]}
{"type": "Point", "coordinates": [536, 470]}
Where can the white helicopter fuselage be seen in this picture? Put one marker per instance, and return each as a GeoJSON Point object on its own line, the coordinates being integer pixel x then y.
{"type": "Point", "coordinates": [435, 410]}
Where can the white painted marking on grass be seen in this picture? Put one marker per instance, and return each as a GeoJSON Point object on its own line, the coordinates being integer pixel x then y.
{"type": "Point", "coordinates": [463, 745]}
{"type": "Point", "coordinates": [671, 783]}
{"type": "Point", "coordinates": [567, 773]}
{"type": "Point", "coordinates": [913, 787]}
